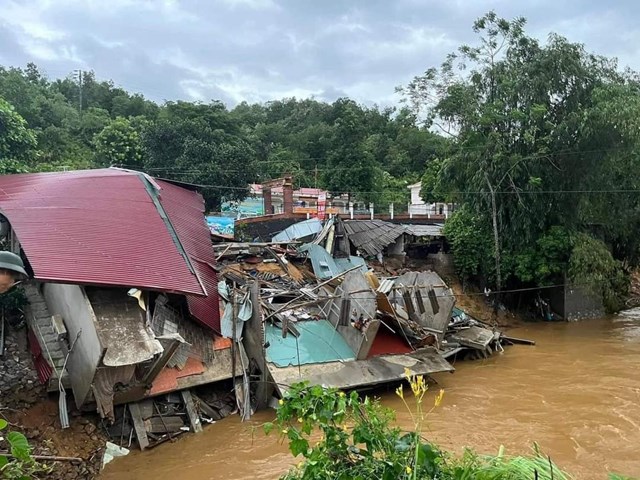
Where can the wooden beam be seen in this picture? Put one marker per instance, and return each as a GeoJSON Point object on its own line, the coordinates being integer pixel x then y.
{"type": "Point", "coordinates": [204, 406]}
{"type": "Point", "coordinates": [161, 362]}
{"type": "Point", "coordinates": [138, 425]}
{"type": "Point", "coordinates": [194, 418]}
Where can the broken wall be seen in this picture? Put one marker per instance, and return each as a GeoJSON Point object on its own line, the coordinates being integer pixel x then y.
{"type": "Point", "coordinates": [72, 304]}
{"type": "Point", "coordinates": [426, 299]}
{"type": "Point", "coordinates": [357, 299]}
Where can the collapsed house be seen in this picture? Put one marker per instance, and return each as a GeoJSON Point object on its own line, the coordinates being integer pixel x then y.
{"type": "Point", "coordinates": [123, 303]}
{"type": "Point", "coordinates": [321, 315]}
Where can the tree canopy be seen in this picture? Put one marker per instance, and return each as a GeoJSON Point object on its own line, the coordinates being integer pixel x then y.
{"type": "Point", "coordinates": [536, 142]}
{"type": "Point", "coordinates": [544, 146]}
{"type": "Point", "coordinates": [369, 153]}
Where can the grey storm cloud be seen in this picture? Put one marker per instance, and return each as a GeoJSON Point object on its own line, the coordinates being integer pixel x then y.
{"type": "Point", "coordinates": [259, 50]}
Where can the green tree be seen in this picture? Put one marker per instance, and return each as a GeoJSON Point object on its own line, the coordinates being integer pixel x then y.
{"type": "Point", "coordinates": [17, 142]}
{"type": "Point", "coordinates": [119, 143]}
{"type": "Point", "coordinates": [526, 121]}
{"type": "Point", "coordinates": [196, 144]}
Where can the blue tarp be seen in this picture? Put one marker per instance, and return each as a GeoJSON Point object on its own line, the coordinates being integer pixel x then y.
{"type": "Point", "coordinates": [307, 228]}
{"type": "Point", "coordinates": [319, 342]}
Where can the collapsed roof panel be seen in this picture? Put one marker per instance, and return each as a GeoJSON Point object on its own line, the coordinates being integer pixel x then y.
{"type": "Point", "coordinates": [424, 230]}
{"type": "Point", "coordinates": [299, 231]}
{"type": "Point", "coordinates": [186, 213]}
{"type": "Point", "coordinates": [372, 236]}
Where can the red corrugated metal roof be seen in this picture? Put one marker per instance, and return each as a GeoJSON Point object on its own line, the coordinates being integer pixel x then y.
{"type": "Point", "coordinates": [99, 227]}
{"type": "Point", "coordinates": [186, 212]}
{"type": "Point", "coordinates": [42, 365]}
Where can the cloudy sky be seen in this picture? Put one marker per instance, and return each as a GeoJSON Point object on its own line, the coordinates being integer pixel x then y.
{"type": "Point", "coordinates": [259, 50]}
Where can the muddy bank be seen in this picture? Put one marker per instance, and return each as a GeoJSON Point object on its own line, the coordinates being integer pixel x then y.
{"type": "Point", "coordinates": [28, 409]}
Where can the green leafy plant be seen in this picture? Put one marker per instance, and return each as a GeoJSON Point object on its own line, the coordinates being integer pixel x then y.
{"type": "Point", "coordinates": [18, 464]}
{"type": "Point", "coordinates": [344, 436]}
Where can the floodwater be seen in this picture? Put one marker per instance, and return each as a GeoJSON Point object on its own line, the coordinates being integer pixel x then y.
{"type": "Point", "coordinates": [576, 393]}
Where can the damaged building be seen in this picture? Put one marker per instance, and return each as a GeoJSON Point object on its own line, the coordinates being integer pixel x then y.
{"type": "Point", "coordinates": [123, 304]}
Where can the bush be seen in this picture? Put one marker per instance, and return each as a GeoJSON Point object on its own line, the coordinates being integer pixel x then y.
{"type": "Point", "coordinates": [357, 441]}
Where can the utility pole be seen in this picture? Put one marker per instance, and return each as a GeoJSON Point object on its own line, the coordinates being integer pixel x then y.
{"type": "Point", "coordinates": [79, 72]}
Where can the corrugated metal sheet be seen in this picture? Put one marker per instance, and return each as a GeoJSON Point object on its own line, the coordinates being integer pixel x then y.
{"type": "Point", "coordinates": [318, 343]}
{"type": "Point", "coordinates": [96, 227]}
{"type": "Point", "coordinates": [424, 230]}
{"type": "Point", "coordinates": [325, 266]}
{"type": "Point", "coordinates": [186, 212]}
{"type": "Point", "coordinates": [306, 228]}
{"type": "Point", "coordinates": [386, 285]}
{"type": "Point", "coordinates": [372, 236]}
{"type": "Point", "coordinates": [42, 366]}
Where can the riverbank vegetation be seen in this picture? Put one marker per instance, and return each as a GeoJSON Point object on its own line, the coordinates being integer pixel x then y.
{"type": "Point", "coordinates": [343, 437]}
{"type": "Point", "coordinates": [535, 142]}
{"type": "Point", "coordinates": [543, 159]}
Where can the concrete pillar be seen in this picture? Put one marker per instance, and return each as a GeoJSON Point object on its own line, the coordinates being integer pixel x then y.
{"type": "Point", "coordinates": [267, 201]}
{"type": "Point", "coordinates": [351, 210]}
{"type": "Point", "coordinates": [391, 211]}
{"type": "Point", "coordinates": [371, 210]}
{"type": "Point", "coordinates": [287, 195]}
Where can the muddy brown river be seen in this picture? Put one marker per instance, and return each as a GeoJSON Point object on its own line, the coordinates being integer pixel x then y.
{"type": "Point", "coordinates": [576, 393]}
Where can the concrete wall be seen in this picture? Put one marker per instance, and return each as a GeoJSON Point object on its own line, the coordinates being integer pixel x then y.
{"type": "Point", "coordinates": [71, 303]}
{"type": "Point", "coordinates": [574, 302]}
{"type": "Point", "coordinates": [363, 301]}
{"type": "Point", "coordinates": [580, 303]}
{"type": "Point", "coordinates": [442, 263]}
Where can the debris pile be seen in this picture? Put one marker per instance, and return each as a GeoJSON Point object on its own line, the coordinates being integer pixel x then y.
{"type": "Point", "coordinates": [319, 313]}
{"type": "Point", "coordinates": [154, 421]}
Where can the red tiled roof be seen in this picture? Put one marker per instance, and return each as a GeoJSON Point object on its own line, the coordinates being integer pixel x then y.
{"type": "Point", "coordinates": [110, 227]}
{"type": "Point", "coordinates": [167, 379]}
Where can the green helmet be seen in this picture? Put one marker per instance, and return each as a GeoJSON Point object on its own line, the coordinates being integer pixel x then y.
{"type": "Point", "coordinates": [13, 262]}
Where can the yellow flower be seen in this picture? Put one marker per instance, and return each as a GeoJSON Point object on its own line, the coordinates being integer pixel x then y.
{"type": "Point", "coordinates": [300, 420]}
{"type": "Point", "coordinates": [407, 372]}
{"type": "Point", "coordinates": [400, 392]}
{"type": "Point", "coordinates": [285, 431]}
{"type": "Point", "coordinates": [341, 394]}
{"type": "Point", "coordinates": [281, 402]}
{"type": "Point", "coordinates": [438, 399]}
{"type": "Point", "coordinates": [409, 470]}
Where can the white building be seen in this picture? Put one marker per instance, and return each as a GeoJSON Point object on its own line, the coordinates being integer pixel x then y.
{"type": "Point", "coordinates": [419, 207]}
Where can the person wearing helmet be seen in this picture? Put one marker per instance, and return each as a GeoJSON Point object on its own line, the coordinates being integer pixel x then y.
{"type": "Point", "coordinates": [12, 271]}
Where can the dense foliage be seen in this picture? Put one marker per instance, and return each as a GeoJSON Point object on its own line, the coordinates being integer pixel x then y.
{"type": "Point", "coordinates": [537, 143]}
{"type": "Point", "coordinates": [545, 150]}
{"type": "Point", "coordinates": [370, 153]}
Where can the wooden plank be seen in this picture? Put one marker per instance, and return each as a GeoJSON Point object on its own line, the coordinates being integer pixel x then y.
{"type": "Point", "coordinates": [473, 337]}
{"type": "Point", "coordinates": [521, 341]}
{"type": "Point", "coordinates": [138, 425]}
{"type": "Point", "coordinates": [194, 418]}
{"type": "Point", "coordinates": [162, 424]}
{"type": "Point", "coordinates": [204, 406]}
{"type": "Point", "coordinates": [160, 363]}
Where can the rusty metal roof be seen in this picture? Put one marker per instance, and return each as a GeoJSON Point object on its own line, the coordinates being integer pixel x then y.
{"type": "Point", "coordinates": [372, 236]}
{"type": "Point", "coordinates": [111, 227]}
{"type": "Point", "coordinates": [418, 230]}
